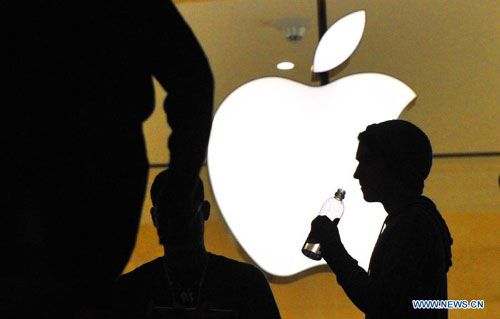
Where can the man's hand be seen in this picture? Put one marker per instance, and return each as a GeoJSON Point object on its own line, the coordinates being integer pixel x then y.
{"type": "Point", "coordinates": [325, 231]}
{"type": "Point", "coordinates": [333, 252]}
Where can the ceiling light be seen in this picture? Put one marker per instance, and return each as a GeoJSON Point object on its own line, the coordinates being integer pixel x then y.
{"type": "Point", "coordinates": [285, 65]}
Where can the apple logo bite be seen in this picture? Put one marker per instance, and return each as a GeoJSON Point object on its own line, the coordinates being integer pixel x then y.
{"type": "Point", "coordinates": [279, 148]}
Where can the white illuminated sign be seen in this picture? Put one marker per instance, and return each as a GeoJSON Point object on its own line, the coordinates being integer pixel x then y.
{"type": "Point", "coordinates": [346, 33]}
{"type": "Point", "coordinates": [279, 148]}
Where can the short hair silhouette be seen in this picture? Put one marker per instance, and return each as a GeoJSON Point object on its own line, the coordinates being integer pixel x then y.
{"type": "Point", "coordinates": [164, 216]}
{"type": "Point", "coordinates": [404, 147]}
{"type": "Point", "coordinates": [161, 182]}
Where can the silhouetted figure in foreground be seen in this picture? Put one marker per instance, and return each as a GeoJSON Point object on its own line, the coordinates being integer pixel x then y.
{"type": "Point", "coordinates": [77, 76]}
{"type": "Point", "coordinates": [412, 255]}
{"type": "Point", "coordinates": [188, 276]}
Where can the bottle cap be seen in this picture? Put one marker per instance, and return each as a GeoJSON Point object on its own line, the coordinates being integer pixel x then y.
{"type": "Point", "coordinates": [340, 194]}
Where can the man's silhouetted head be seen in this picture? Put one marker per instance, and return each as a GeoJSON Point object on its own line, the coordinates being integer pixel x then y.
{"type": "Point", "coordinates": [178, 230]}
{"type": "Point", "coordinates": [393, 156]}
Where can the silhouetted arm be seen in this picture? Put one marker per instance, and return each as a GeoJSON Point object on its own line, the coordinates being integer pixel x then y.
{"type": "Point", "coordinates": [179, 64]}
{"type": "Point", "coordinates": [405, 265]}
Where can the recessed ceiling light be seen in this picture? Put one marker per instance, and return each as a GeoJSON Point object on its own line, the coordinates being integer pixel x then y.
{"type": "Point", "coordinates": [285, 65]}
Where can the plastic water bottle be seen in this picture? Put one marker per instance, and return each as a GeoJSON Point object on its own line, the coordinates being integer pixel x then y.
{"type": "Point", "coordinates": [332, 208]}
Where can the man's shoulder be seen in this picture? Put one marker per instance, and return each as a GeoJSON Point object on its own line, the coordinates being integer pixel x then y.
{"type": "Point", "coordinates": [236, 270]}
{"type": "Point", "coordinates": [245, 285]}
{"type": "Point", "coordinates": [141, 273]}
{"type": "Point", "coordinates": [133, 290]}
{"type": "Point", "coordinates": [419, 211]}
{"type": "Point", "coordinates": [228, 263]}
{"type": "Point", "coordinates": [425, 214]}
{"type": "Point", "coordinates": [419, 223]}
{"type": "Point", "coordinates": [424, 222]}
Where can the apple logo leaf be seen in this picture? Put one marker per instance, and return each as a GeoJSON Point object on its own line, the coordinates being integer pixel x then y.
{"type": "Point", "coordinates": [339, 42]}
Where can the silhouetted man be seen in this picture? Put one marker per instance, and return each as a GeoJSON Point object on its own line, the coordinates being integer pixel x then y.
{"type": "Point", "coordinates": [412, 255]}
{"type": "Point", "coordinates": [77, 76]}
{"type": "Point", "coordinates": [188, 276]}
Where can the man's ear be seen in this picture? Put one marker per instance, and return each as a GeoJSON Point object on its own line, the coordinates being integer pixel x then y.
{"type": "Point", "coordinates": [205, 209]}
{"type": "Point", "coordinates": [154, 214]}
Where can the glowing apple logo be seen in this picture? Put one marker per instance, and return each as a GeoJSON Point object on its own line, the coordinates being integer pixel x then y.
{"type": "Point", "coordinates": [279, 148]}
